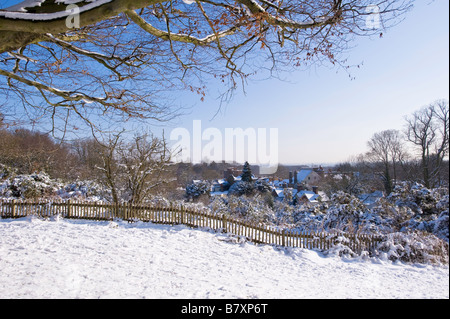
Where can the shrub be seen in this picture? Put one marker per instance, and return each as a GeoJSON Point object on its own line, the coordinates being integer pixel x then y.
{"type": "Point", "coordinates": [240, 188]}
{"type": "Point", "coordinates": [346, 213]}
{"type": "Point", "coordinates": [441, 226]}
{"type": "Point", "coordinates": [29, 186]}
{"type": "Point", "coordinates": [195, 189]}
{"type": "Point", "coordinates": [340, 246]}
{"type": "Point", "coordinates": [6, 171]}
{"type": "Point", "coordinates": [421, 200]}
{"type": "Point", "coordinates": [413, 247]}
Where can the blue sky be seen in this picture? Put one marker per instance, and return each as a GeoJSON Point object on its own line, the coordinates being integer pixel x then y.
{"type": "Point", "coordinates": [324, 117]}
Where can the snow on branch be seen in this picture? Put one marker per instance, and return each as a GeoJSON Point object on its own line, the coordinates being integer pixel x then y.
{"type": "Point", "coordinates": [176, 36]}
{"type": "Point", "coordinates": [19, 12]}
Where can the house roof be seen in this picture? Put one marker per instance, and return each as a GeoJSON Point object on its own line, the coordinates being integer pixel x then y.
{"type": "Point", "coordinates": [306, 193]}
{"type": "Point", "coordinates": [221, 181]}
{"type": "Point", "coordinates": [302, 174]}
{"type": "Point", "coordinates": [284, 181]}
{"type": "Point", "coordinates": [280, 191]}
{"type": "Point", "coordinates": [310, 196]}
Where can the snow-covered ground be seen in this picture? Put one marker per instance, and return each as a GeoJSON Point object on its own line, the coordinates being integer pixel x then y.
{"type": "Point", "coordinates": [86, 259]}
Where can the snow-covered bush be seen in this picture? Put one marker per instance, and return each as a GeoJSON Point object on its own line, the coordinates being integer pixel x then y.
{"type": "Point", "coordinates": [309, 217]}
{"type": "Point", "coordinates": [413, 247]}
{"type": "Point", "coordinates": [288, 197]}
{"type": "Point", "coordinates": [262, 186]}
{"type": "Point", "coordinates": [218, 205]}
{"type": "Point", "coordinates": [6, 171]}
{"type": "Point", "coordinates": [283, 212]}
{"type": "Point", "coordinates": [347, 213]}
{"type": "Point", "coordinates": [85, 190]}
{"type": "Point", "coordinates": [421, 200]}
{"type": "Point", "coordinates": [426, 210]}
{"type": "Point", "coordinates": [41, 186]}
{"type": "Point", "coordinates": [249, 208]}
{"type": "Point", "coordinates": [242, 207]}
{"type": "Point", "coordinates": [240, 188]}
{"type": "Point", "coordinates": [390, 217]}
{"type": "Point", "coordinates": [249, 187]}
{"type": "Point", "coordinates": [441, 226]}
{"type": "Point", "coordinates": [197, 188]}
{"type": "Point", "coordinates": [340, 246]}
{"type": "Point", "coordinates": [29, 186]}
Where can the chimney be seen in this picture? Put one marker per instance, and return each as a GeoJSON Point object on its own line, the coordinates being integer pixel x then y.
{"type": "Point", "coordinates": [227, 173]}
{"type": "Point", "coordinates": [315, 189]}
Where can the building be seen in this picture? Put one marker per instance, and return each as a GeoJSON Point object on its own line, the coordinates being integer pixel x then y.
{"type": "Point", "coordinates": [220, 185]}
{"type": "Point", "coordinates": [279, 193]}
{"type": "Point", "coordinates": [308, 177]}
{"type": "Point", "coordinates": [304, 197]}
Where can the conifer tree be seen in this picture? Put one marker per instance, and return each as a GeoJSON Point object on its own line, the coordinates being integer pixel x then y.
{"type": "Point", "coordinates": [246, 173]}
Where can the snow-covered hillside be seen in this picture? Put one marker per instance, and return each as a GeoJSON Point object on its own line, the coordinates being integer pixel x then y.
{"type": "Point", "coordinates": [84, 259]}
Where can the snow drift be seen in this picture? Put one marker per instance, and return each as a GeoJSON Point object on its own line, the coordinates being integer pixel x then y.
{"type": "Point", "coordinates": [86, 259]}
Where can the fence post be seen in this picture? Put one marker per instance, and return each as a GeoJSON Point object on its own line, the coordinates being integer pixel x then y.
{"type": "Point", "coordinates": [115, 210]}
{"type": "Point", "coordinates": [224, 223]}
{"type": "Point", "coordinates": [13, 208]}
{"type": "Point", "coordinates": [182, 215]}
{"type": "Point", "coordinates": [283, 238]}
{"type": "Point", "coordinates": [69, 208]}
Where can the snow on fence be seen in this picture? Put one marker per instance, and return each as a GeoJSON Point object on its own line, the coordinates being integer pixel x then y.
{"type": "Point", "coordinates": [254, 232]}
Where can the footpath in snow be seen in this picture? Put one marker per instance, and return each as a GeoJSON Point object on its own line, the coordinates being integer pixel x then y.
{"type": "Point", "coordinates": [87, 259]}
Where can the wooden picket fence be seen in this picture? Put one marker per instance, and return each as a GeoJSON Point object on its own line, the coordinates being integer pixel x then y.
{"type": "Point", "coordinates": [177, 214]}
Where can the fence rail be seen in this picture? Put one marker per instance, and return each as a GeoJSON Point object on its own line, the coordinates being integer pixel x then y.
{"type": "Point", "coordinates": [177, 214]}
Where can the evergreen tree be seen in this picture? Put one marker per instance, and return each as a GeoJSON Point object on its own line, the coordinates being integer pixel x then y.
{"type": "Point", "coordinates": [246, 173]}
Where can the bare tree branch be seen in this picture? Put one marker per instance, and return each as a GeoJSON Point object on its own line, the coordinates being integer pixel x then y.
{"type": "Point", "coordinates": [116, 64]}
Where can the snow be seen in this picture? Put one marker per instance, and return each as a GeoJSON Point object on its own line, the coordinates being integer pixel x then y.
{"type": "Point", "coordinates": [25, 4]}
{"type": "Point", "coordinates": [63, 258]}
{"type": "Point", "coordinates": [19, 12]}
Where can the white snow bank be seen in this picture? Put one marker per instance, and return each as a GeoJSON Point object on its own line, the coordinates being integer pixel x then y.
{"type": "Point", "coordinates": [85, 259]}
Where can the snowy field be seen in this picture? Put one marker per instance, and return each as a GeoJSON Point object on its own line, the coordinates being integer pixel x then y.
{"type": "Point", "coordinates": [84, 259]}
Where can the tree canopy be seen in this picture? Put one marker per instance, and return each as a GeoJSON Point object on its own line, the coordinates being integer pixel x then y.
{"type": "Point", "coordinates": [81, 63]}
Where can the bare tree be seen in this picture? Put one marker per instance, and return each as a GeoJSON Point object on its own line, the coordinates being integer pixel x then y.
{"type": "Point", "coordinates": [109, 169]}
{"type": "Point", "coordinates": [117, 59]}
{"type": "Point", "coordinates": [428, 130]}
{"type": "Point", "coordinates": [88, 153]}
{"type": "Point", "coordinates": [30, 152]}
{"type": "Point", "coordinates": [131, 170]}
{"type": "Point", "coordinates": [144, 161]}
{"type": "Point", "coordinates": [386, 148]}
